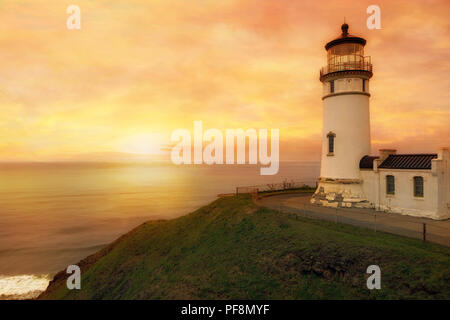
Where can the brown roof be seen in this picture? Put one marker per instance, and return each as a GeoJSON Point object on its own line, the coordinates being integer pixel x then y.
{"type": "Point", "coordinates": [366, 162]}
{"type": "Point", "coordinates": [408, 161]}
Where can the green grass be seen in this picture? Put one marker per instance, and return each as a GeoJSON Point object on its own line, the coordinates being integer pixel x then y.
{"type": "Point", "coordinates": [232, 249]}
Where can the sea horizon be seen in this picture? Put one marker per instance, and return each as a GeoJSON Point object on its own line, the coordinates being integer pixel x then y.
{"type": "Point", "coordinates": [53, 214]}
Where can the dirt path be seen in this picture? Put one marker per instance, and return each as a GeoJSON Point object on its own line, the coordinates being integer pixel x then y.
{"type": "Point", "coordinates": [436, 231]}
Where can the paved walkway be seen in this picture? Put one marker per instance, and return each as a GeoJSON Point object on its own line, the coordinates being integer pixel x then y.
{"type": "Point", "coordinates": [436, 231]}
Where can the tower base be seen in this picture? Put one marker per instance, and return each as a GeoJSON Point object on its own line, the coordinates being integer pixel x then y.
{"type": "Point", "coordinates": [342, 193]}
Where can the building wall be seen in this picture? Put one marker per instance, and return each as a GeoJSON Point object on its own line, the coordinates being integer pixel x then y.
{"type": "Point", "coordinates": [347, 116]}
{"type": "Point", "coordinates": [435, 202]}
{"type": "Point", "coordinates": [346, 84]}
{"type": "Point", "coordinates": [370, 186]}
{"type": "Point", "coordinates": [440, 168]}
{"type": "Point", "coordinates": [404, 201]}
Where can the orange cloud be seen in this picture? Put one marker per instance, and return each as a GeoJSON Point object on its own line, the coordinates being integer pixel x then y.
{"type": "Point", "coordinates": [142, 68]}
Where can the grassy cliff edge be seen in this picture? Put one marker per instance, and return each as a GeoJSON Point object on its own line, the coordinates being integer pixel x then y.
{"type": "Point", "coordinates": [232, 249]}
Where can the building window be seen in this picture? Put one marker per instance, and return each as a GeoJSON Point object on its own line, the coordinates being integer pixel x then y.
{"type": "Point", "coordinates": [364, 85]}
{"type": "Point", "coordinates": [390, 185]}
{"type": "Point", "coordinates": [331, 86]}
{"type": "Point", "coordinates": [331, 137]}
{"type": "Point", "coordinates": [418, 187]}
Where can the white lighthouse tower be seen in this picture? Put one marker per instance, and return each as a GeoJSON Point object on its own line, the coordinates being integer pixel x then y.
{"type": "Point", "coordinates": [346, 123]}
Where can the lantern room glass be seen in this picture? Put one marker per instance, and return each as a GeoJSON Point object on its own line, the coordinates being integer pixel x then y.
{"type": "Point", "coordinates": [345, 52]}
{"type": "Point", "coordinates": [346, 56]}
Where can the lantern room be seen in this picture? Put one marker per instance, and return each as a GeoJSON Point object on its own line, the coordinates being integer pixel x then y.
{"type": "Point", "coordinates": [346, 53]}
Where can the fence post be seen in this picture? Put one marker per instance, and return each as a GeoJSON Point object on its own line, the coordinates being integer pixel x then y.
{"type": "Point", "coordinates": [424, 232]}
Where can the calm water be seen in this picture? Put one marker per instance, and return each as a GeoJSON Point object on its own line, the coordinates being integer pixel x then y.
{"type": "Point", "coordinates": [53, 215]}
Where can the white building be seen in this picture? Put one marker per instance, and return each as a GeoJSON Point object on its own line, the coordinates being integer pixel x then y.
{"type": "Point", "coordinates": [412, 184]}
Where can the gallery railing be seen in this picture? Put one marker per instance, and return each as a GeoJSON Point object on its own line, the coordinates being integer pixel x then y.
{"type": "Point", "coordinates": [363, 65]}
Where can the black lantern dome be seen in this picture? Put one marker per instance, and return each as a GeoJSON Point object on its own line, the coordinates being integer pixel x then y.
{"type": "Point", "coordinates": [345, 38]}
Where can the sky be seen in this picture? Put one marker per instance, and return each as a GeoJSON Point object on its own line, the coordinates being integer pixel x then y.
{"type": "Point", "coordinates": [140, 69]}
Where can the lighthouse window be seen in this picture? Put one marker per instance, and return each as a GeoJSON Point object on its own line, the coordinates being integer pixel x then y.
{"type": "Point", "coordinates": [332, 86]}
{"type": "Point", "coordinates": [418, 186]}
{"type": "Point", "coordinates": [331, 137]}
{"type": "Point", "coordinates": [364, 85]}
{"type": "Point", "coordinates": [390, 185]}
{"type": "Point", "coordinates": [330, 144]}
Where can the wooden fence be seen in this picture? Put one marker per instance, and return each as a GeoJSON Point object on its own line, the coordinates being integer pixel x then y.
{"type": "Point", "coordinates": [272, 187]}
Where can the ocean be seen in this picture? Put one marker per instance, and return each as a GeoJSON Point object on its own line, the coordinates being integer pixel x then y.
{"type": "Point", "coordinates": [55, 214]}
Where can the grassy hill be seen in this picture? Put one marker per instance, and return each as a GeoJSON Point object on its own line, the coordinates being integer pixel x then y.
{"type": "Point", "coordinates": [232, 249]}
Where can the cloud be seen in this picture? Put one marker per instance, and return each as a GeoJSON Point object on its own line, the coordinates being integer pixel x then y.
{"type": "Point", "coordinates": [144, 68]}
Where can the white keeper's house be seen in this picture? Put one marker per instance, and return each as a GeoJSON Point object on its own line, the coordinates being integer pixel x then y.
{"type": "Point", "coordinates": [411, 184]}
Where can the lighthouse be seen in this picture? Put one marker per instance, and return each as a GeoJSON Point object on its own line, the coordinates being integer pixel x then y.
{"type": "Point", "coordinates": [346, 122]}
